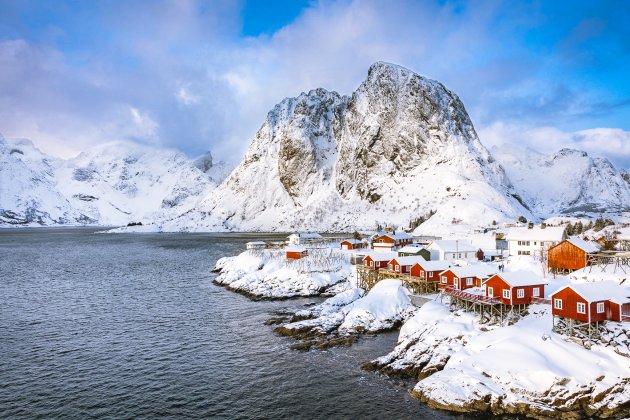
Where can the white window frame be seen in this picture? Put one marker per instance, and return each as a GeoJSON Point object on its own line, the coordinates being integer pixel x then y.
{"type": "Point", "coordinates": [507, 293]}
{"type": "Point", "coordinates": [469, 281]}
{"type": "Point", "coordinates": [421, 274]}
{"type": "Point", "coordinates": [430, 274]}
{"type": "Point", "coordinates": [582, 306]}
{"type": "Point", "coordinates": [397, 267]}
{"type": "Point", "coordinates": [371, 263]}
{"type": "Point", "coordinates": [600, 307]}
{"type": "Point", "coordinates": [557, 304]}
{"type": "Point", "coordinates": [490, 291]}
{"type": "Point", "coordinates": [520, 293]}
{"type": "Point", "coordinates": [444, 279]}
{"type": "Point", "coordinates": [536, 292]}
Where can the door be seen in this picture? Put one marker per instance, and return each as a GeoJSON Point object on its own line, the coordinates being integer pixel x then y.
{"type": "Point", "coordinates": [456, 283]}
{"type": "Point", "coordinates": [490, 292]}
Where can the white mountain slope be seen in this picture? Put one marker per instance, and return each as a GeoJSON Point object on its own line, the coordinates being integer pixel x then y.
{"type": "Point", "coordinates": [400, 146]}
{"type": "Point", "coordinates": [112, 184]}
{"type": "Point", "coordinates": [569, 181]}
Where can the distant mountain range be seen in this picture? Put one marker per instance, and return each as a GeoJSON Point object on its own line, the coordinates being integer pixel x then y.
{"type": "Point", "coordinates": [399, 147]}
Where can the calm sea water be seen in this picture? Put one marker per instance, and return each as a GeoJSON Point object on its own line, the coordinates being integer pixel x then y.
{"type": "Point", "coordinates": [123, 326]}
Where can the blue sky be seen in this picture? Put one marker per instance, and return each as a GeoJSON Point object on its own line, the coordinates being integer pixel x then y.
{"type": "Point", "coordinates": [199, 75]}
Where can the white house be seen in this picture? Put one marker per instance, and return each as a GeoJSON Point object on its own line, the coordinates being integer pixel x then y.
{"type": "Point", "coordinates": [451, 250]}
{"type": "Point", "coordinates": [256, 245]}
{"type": "Point", "coordinates": [391, 241]}
{"type": "Point", "coordinates": [535, 240]}
{"type": "Point", "coordinates": [302, 238]}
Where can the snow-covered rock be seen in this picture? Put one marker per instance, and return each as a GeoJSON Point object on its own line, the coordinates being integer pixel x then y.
{"type": "Point", "coordinates": [385, 306]}
{"type": "Point", "coordinates": [399, 146]}
{"type": "Point", "coordinates": [270, 275]}
{"type": "Point", "coordinates": [518, 369]}
{"type": "Point", "coordinates": [112, 184]}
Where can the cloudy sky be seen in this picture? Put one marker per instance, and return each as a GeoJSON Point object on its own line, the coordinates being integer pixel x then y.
{"type": "Point", "coordinates": [200, 75]}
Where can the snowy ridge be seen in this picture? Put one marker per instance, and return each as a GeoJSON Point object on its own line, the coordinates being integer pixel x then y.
{"type": "Point", "coordinates": [111, 184]}
{"type": "Point", "coordinates": [565, 182]}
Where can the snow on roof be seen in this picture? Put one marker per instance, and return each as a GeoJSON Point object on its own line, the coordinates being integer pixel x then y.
{"type": "Point", "coordinates": [256, 243]}
{"type": "Point", "coordinates": [521, 278]}
{"type": "Point", "coordinates": [480, 271]}
{"type": "Point", "coordinates": [453, 246]}
{"type": "Point", "coordinates": [586, 246]}
{"type": "Point", "coordinates": [408, 260]}
{"type": "Point", "coordinates": [381, 256]}
{"type": "Point", "coordinates": [411, 249]}
{"type": "Point", "coordinates": [295, 248]}
{"type": "Point", "coordinates": [352, 241]}
{"type": "Point", "coordinates": [439, 265]}
{"type": "Point", "coordinates": [307, 235]}
{"type": "Point", "coordinates": [548, 234]}
{"type": "Point", "coordinates": [600, 290]}
{"type": "Point", "coordinates": [399, 235]}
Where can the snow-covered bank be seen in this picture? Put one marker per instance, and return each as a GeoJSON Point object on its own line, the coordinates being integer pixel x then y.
{"type": "Point", "coordinates": [270, 275]}
{"type": "Point", "coordinates": [342, 317]}
{"type": "Point", "coordinates": [519, 369]}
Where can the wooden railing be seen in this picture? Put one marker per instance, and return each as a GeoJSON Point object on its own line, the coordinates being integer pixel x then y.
{"type": "Point", "coordinates": [541, 300]}
{"type": "Point", "coordinates": [470, 296]}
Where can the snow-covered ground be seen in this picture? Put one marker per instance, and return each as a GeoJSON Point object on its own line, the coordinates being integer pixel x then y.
{"type": "Point", "coordinates": [523, 368]}
{"type": "Point", "coordinates": [268, 274]}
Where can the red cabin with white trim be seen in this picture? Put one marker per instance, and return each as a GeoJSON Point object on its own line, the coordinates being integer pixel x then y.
{"type": "Point", "coordinates": [515, 287]}
{"type": "Point", "coordinates": [429, 270]}
{"type": "Point", "coordinates": [295, 252]}
{"type": "Point", "coordinates": [462, 278]}
{"type": "Point", "coordinates": [592, 302]}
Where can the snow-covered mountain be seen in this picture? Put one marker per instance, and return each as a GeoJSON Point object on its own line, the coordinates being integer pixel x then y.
{"type": "Point", "coordinates": [400, 146]}
{"type": "Point", "coordinates": [112, 184]}
{"type": "Point", "coordinates": [566, 182]}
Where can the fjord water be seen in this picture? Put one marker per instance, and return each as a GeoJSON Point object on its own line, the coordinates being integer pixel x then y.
{"type": "Point", "coordinates": [124, 325]}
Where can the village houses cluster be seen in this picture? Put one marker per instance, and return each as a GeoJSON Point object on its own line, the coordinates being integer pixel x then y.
{"type": "Point", "coordinates": [460, 270]}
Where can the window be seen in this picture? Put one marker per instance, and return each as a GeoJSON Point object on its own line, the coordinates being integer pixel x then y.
{"type": "Point", "coordinates": [490, 292]}
{"type": "Point", "coordinates": [469, 281]}
{"type": "Point", "coordinates": [397, 267]}
{"type": "Point", "coordinates": [600, 307]}
{"type": "Point", "coordinates": [444, 279]}
{"type": "Point", "coordinates": [421, 274]}
{"type": "Point", "coordinates": [557, 303]}
{"type": "Point", "coordinates": [536, 291]}
{"type": "Point", "coordinates": [430, 274]}
{"type": "Point", "coordinates": [459, 255]}
{"type": "Point", "coordinates": [520, 293]}
{"type": "Point", "coordinates": [581, 308]}
{"type": "Point", "coordinates": [391, 267]}
{"type": "Point", "coordinates": [506, 293]}
{"type": "Point", "coordinates": [371, 263]}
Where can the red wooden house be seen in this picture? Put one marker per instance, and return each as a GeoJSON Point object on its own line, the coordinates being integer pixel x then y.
{"type": "Point", "coordinates": [376, 260]}
{"type": "Point", "coordinates": [570, 254]}
{"type": "Point", "coordinates": [429, 270]}
{"type": "Point", "coordinates": [295, 252]}
{"type": "Point", "coordinates": [391, 241]}
{"type": "Point", "coordinates": [403, 264]}
{"type": "Point", "coordinates": [461, 278]}
{"type": "Point", "coordinates": [515, 287]}
{"type": "Point", "coordinates": [592, 302]}
{"type": "Point", "coordinates": [350, 244]}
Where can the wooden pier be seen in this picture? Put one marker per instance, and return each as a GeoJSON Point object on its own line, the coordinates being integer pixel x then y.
{"type": "Point", "coordinates": [619, 260]}
{"type": "Point", "coordinates": [573, 328]}
{"type": "Point", "coordinates": [368, 277]}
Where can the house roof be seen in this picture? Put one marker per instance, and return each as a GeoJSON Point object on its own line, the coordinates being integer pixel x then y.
{"type": "Point", "coordinates": [411, 249]}
{"type": "Point", "coordinates": [480, 271]}
{"type": "Point", "coordinates": [598, 291]}
{"type": "Point", "coordinates": [381, 256]}
{"type": "Point", "coordinates": [439, 265]}
{"type": "Point", "coordinates": [352, 241]}
{"type": "Point", "coordinates": [548, 234]}
{"type": "Point", "coordinates": [521, 278]}
{"type": "Point", "coordinates": [452, 246]}
{"type": "Point", "coordinates": [586, 246]}
{"type": "Point", "coordinates": [306, 235]}
{"type": "Point", "coordinates": [399, 235]}
{"type": "Point", "coordinates": [295, 248]}
{"type": "Point", "coordinates": [256, 243]}
{"type": "Point", "coordinates": [408, 260]}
